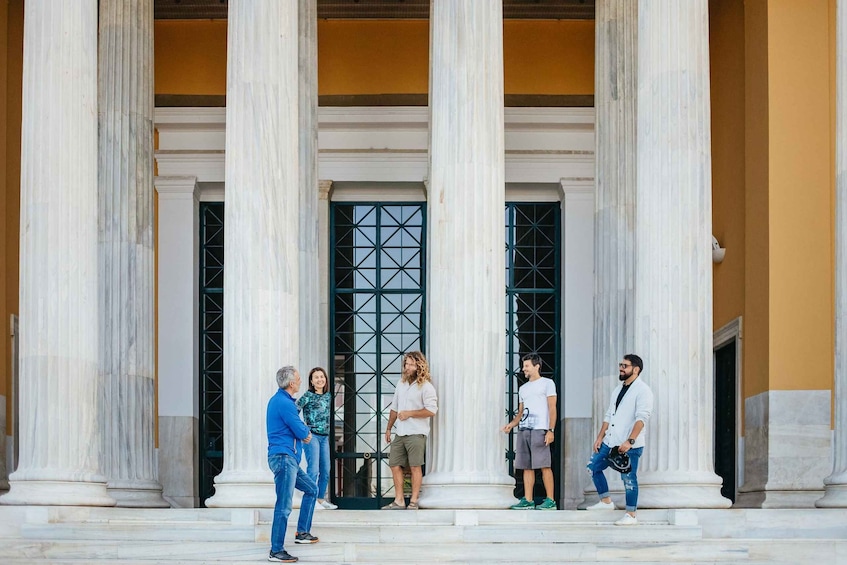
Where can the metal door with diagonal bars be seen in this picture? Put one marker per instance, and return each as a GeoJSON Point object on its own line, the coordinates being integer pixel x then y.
{"type": "Point", "coordinates": [533, 311]}
{"type": "Point", "coordinates": [377, 314]}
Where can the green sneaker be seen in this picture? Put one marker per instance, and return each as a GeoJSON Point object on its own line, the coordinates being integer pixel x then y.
{"type": "Point", "coordinates": [523, 504]}
{"type": "Point", "coordinates": [548, 504]}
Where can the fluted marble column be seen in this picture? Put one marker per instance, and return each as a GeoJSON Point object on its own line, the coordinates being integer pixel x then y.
{"type": "Point", "coordinates": [126, 282]}
{"type": "Point", "coordinates": [261, 279]}
{"type": "Point", "coordinates": [60, 457]}
{"type": "Point", "coordinates": [466, 467]}
{"type": "Point", "coordinates": [673, 293]}
{"type": "Point", "coordinates": [616, 50]}
{"type": "Point", "coordinates": [835, 495]}
{"type": "Point", "coordinates": [310, 289]}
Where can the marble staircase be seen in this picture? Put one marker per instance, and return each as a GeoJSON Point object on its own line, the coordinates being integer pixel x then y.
{"type": "Point", "coordinates": [60, 535]}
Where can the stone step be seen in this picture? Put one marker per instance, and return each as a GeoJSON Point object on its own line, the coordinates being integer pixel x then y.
{"type": "Point", "coordinates": [364, 532]}
{"type": "Point", "coordinates": [181, 553]}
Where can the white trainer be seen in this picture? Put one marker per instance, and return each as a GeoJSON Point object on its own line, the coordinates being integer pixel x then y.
{"type": "Point", "coordinates": [328, 505]}
{"type": "Point", "coordinates": [627, 520]}
{"type": "Point", "coordinates": [602, 506]}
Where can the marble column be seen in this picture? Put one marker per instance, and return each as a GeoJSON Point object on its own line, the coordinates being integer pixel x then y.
{"type": "Point", "coordinates": [127, 367]}
{"type": "Point", "coordinates": [60, 458]}
{"type": "Point", "coordinates": [466, 467]}
{"type": "Point", "coordinates": [835, 494]}
{"type": "Point", "coordinates": [616, 54]}
{"type": "Point", "coordinates": [673, 264]}
{"type": "Point", "coordinates": [262, 275]}
{"type": "Point", "coordinates": [311, 354]}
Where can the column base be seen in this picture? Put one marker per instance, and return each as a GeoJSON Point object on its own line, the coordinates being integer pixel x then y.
{"type": "Point", "coordinates": [450, 491]}
{"type": "Point", "coordinates": [681, 490]}
{"type": "Point", "coordinates": [244, 494]}
{"type": "Point", "coordinates": [57, 493]}
{"type": "Point", "coordinates": [137, 494]}
{"type": "Point", "coordinates": [835, 496]}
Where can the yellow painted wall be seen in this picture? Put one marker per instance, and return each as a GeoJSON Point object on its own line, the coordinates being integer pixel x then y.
{"type": "Point", "coordinates": [11, 53]}
{"type": "Point", "coordinates": [756, 357]}
{"type": "Point", "coordinates": [190, 57]}
{"type": "Point", "coordinates": [726, 49]}
{"type": "Point", "coordinates": [800, 200]}
{"type": "Point", "coordinates": [383, 57]}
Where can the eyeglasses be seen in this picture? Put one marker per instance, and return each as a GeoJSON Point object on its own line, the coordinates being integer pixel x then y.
{"type": "Point", "coordinates": [624, 365]}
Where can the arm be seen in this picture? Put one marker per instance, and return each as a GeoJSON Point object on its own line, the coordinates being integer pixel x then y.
{"type": "Point", "coordinates": [601, 435]}
{"type": "Point", "coordinates": [643, 411]}
{"type": "Point", "coordinates": [636, 429]}
{"type": "Point", "coordinates": [430, 402]}
{"type": "Point", "coordinates": [392, 417]}
{"type": "Point", "coordinates": [515, 421]}
{"type": "Point", "coordinates": [551, 409]}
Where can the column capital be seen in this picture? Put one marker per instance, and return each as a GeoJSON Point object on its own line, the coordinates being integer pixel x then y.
{"type": "Point", "coordinates": [177, 187]}
{"type": "Point", "coordinates": [324, 189]}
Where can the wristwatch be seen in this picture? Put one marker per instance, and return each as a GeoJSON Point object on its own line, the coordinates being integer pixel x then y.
{"type": "Point", "coordinates": [631, 441]}
{"type": "Point", "coordinates": [552, 431]}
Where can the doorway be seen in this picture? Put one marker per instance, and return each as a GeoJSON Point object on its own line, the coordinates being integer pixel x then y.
{"type": "Point", "coordinates": [726, 387]}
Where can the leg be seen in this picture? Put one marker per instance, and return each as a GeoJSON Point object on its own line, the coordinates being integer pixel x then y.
{"type": "Point", "coordinates": [630, 481]}
{"type": "Point", "coordinates": [547, 478]}
{"type": "Point", "coordinates": [399, 479]}
{"type": "Point", "coordinates": [323, 467]}
{"type": "Point", "coordinates": [596, 466]}
{"type": "Point", "coordinates": [307, 507]}
{"type": "Point", "coordinates": [529, 484]}
{"type": "Point", "coordinates": [283, 467]}
{"type": "Point", "coordinates": [312, 451]}
{"type": "Point", "coordinates": [417, 479]}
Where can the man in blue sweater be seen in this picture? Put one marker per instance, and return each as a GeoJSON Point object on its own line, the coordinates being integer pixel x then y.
{"type": "Point", "coordinates": [286, 431]}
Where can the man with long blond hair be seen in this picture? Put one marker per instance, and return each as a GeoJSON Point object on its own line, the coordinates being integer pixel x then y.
{"type": "Point", "coordinates": [414, 403]}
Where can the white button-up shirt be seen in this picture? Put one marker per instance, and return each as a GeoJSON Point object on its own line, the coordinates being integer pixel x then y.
{"type": "Point", "coordinates": [413, 397]}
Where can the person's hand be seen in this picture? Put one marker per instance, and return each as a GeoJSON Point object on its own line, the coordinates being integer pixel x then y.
{"type": "Point", "coordinates": [597, 444]}
{"type": "Point", "coordinates": [549, 437]}
{"type": "Point", "coordinates": [387, 436]}
{"type": "Point", "coordinates": [624, 447]}
{"type": "Point", "coordinates": [308, 438]}
{"type": "Point", "coordinates": [402, 415]}
{"type": "Point", "coordinates": [506, 429]}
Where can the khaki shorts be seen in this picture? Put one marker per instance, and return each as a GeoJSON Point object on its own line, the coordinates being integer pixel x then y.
{"type": "Point", "coordinates": [530, 451]}
{"type": "Point", "coordinates": [407, 451]}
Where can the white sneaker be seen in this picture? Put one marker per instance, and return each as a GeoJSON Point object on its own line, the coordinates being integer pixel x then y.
{"type": "Point", "coordinates": [328, 505]}
{"type": "Point", "coordinates": [627, 520]}
{"type": "Point", "coordinates": [602, 506]}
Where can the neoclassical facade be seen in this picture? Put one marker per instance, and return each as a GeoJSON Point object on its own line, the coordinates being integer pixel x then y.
{"type": "Point", "coordinates": [353, 233]}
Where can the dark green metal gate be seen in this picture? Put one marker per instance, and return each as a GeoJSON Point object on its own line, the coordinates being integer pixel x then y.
{"type": "Point", "coordinates": [377, 315]}
{"type": "Point", "coordinates": [211, 345]}
{"type": "Point", "coordinates": [533, 310]}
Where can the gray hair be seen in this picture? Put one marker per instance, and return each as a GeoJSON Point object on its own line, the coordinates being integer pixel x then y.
{"type": "Point", "coordinates": [285, 375]}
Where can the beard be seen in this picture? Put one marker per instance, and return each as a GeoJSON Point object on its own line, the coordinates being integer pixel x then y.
{"type": "Point", "coordinates": [623, 377]}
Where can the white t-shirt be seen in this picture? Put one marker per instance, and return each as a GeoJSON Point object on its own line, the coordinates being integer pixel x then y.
{"type": "Point", "coordinates": [413, 397]}
{"type": "Point", "coordinates": [534, 396]}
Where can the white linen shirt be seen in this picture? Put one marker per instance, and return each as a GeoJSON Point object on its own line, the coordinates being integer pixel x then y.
{"type": "Point", "coordinates": [636, 404]}
{"type": "Point", "coordinates": [413, 397]}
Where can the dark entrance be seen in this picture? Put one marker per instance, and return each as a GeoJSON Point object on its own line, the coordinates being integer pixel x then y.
{"type": "Point", "coordinates": [377, 315]}
{"type": "Point", "coordinates": [725, 418]}
{"type": "Point", "coordinates": [533, 314]}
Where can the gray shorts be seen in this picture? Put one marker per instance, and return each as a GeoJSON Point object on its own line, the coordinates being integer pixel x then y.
{"type": "Point", "coordinates": [530, 451]}
{"type": "Point", "coordinates": [407, 451]}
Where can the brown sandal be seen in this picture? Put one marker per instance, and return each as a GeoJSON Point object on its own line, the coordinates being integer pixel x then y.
{"type": "Point", "coordinates": [395, 506]}
{"type": "Point", "coordinates": [412, 506]}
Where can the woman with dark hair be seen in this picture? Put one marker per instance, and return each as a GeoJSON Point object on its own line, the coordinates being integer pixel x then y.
{"type": "Point", "coordinates": [315, 406]}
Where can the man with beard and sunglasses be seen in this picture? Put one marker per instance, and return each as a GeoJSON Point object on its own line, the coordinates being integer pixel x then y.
{"type": "Point", "coordinates": [623, 430]}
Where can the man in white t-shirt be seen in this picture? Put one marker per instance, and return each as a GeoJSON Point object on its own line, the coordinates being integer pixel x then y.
{"type": "Point", "coordinates": [536, 423]}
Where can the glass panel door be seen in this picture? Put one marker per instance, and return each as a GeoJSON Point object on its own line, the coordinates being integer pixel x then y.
{"type": "Point", "coordinates": [377, 283]}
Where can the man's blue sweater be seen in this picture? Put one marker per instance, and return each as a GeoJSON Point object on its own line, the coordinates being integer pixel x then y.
{"type": "Point", "coordinates": [285, 427]}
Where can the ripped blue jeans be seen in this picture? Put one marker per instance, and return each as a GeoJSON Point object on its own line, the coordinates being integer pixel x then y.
{"type": "Point", "coordinates": [599, 462]}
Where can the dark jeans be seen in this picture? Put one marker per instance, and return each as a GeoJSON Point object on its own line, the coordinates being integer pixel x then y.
{"type": "Point", "coordinates": [599, 461]}
{"type": "Point", "coordinates": [287, 476]}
